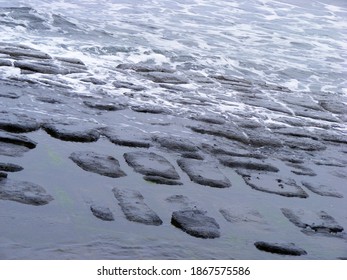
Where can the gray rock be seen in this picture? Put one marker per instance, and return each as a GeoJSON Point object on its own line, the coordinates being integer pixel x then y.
{"type": "Point", "coordinates": [164, 77]}
{"type": "Point", "coordinates": [301, 170]}
{"type": "Point", "coordinates": [235, 151]}
{"type": "Point", "coordinates": [228, 132]}
{"type": "Point", "coordinates": [175, 143]}
{"type": "Point", "coordinates": [10, 167]}
{"type": "Point", "coordinates": [150, 109]}
{"type": "Point", "coordinates": [242, 215]}
{"type": "Point", "coordinates": [49, 67]}
{"type": "Point", "coordinates": [251, 164]}
{"type": "Point", "coordinates": [313, 114]}
{"type": "Point", "coordinates": [72, 131]}
{"type": "Point", "coordinates": [5, 62]}
{"type": "Point", "coordinates": [98, 163]}
{"type": "Point", "coordinates": [192, 155]}
{"type": "Point", "coordinates": [93, 80]}
{"type": "Point", "coordinates": [22, 51]}
{"type": "Point", "coordinates": [18, 140]}
{"type": "Point", "coordinates": [10, 95]}
{"type": "Point", "coordinates": [211, 119]}
{"type": "Point", "coordinates": [275, 185]}
{"type": "Point", "coordinates": [334, 106]}
{"type": "Point", "coordinates": [204, 173]}
{"type": "Point", "coordinates": [161, 180]}
{"type": "Point", "coordinates": [196, 223]}
{"type": "Point", "coordinates": [322, 190]}
{"type": "Point", "coordinates": [17, 123]}
{"type": "Point", "coordinates": [129, 137]}
{"type": "Point", "coordinates": [302, 143]}
{"type": "Point", "coordinates": [319, 222]}
{"type": "Point", "coordinates": [145, 68]}
{"type": "Point", "coordinates": [24, 192]}
{"type": "Point", "coordinates": [3, 175]}
{"type": "Point", "coordinates": [127, 85]}
{"type": "Point", "coordinates": [151, 164]}
{"type": "Point", "coordinates": [102, 213]}
{"type": "Point", "coordinates": [104, 106]}
{"type": "Point", "coordinates": [261, 138]}
{"type": "Point", "coordinates": [134, 208]}
{"type": "Point", "coordinates": [280, 248]}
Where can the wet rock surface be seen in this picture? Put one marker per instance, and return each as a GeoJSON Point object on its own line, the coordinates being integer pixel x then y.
{"type": "Point", "coordinates": [101, 164]}
{"type": "Point", "coordinates": [250, 164]}
{"type": "Point", "coordinates": [72, 131]}
{"type": "Point", "coordinates": [274, 149]}
{"type": "Point", "coordinates": [196, 223]}
{"type": "Point", "coordinates": [151, 164]}
{"type": "Point", "coordinates": [280, 248]}
{"type": "Point", "coordinates": [127, 137]}
{"type": "Point", "coordinates": [15, 145]}
{"type": "Point", "coordinates": [204, 173]}
{"type": "Point", "coordinates": [24, 192]}
{"type": "Point", "coordinates": [322, 190]}
{"type": "Point", "coordinates": [313, 222]}
{"type": "Point", "coordinates": [237, 215]}
{"type": "Point", "coordinates": [134, 207]}
{"type": "Point", "coordinates": [10, 167]}
{"type": "Point", "coordinates": [102, 213]}
{"type": "Point", "coordinates": [17, 123]}
{"type": "Point", "coordinates": [272, 184]}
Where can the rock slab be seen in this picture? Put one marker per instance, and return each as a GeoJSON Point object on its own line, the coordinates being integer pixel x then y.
{"type": "Point", "coordinates": [204, 173]}
{"type": "Point", "coordinates": [151, 164]}
{"type": "Point", "coordinates": [24, 192]}
{"type": "Point", "coordinates": [98, 163]}
{"type": "Point", "coordinates": [196, 223]}
{"type": "Point", "coordinates": [280, 248]}
{"type": "Point", "coordinates": [134, 207]}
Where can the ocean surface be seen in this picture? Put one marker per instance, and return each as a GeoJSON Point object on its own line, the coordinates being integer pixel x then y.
{"type": "Point", "coordinates": [296, 47]}
{"type": "Point", "coordinates": [300, 45]}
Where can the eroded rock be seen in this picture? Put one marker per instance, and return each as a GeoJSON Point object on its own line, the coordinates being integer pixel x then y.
{"type": "Point", "coordinates": [322, 190]}
{"type": "Point", "coordinates": [280, 248]}
{"type": "Point", "coordinates": [102, 213]}
{"type": "Point", "coordinates": [222, 131]}
{"type": "Point", "coordinates": [134, 207]}
{"type": "Point", "coordinates": [317, 222]}
{"type": "Point", "coordinates": [161, 180]}
{"type": "Point", "coordinates": [72, 131]}
{"type": "Point", "coordinates": [127, 137]}
{"type": "Point", "coordinates": [151, 164]}
{"type": "Point", "coordinates": [17, 123]}
{"type": "Point", "coordinates": [175, 143]}
{"type": "Point", "coordinates": [251, 164]}
{"type": "Point", "coordinates": [104, 106]}
{"type": "Point", "coordinates": [204, 173]}
{"type": "Point", "coordinates": [238, 215]}
{"type": "Point", "coordinates": [97, 163]}
{"type": "Point", "coordinates": [24, 192]}
{"type": "Point", "coordinates": [196, 223]}
{"type": "Point", "coordinates": [270, 184]}
{"type": "Point", "coordinates": [10, 167]}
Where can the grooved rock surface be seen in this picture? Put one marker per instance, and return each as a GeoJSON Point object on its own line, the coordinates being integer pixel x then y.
{"type": "Point", "coordinates": [196, 223]}
{"type": "Point", "coordinates": [134, 207]}
{"type": "Point", "coordinates": [316, 222]}
{"type": "Point", "coordinates": [151, 164]}
{"type": "Point", "coordinates": [24, 192]}
{"type": "Point", "coordinates": [204, 173]}
{"type": "Point", "coordinates": [275, 185]}
{"type": "Point", "coordinates": [97, 163]}
{"type": "Point", "coordinates": [280, 248]}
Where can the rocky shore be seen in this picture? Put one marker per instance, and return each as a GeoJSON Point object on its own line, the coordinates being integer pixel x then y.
{"type": "Point", "coordinates": [128, 167]}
